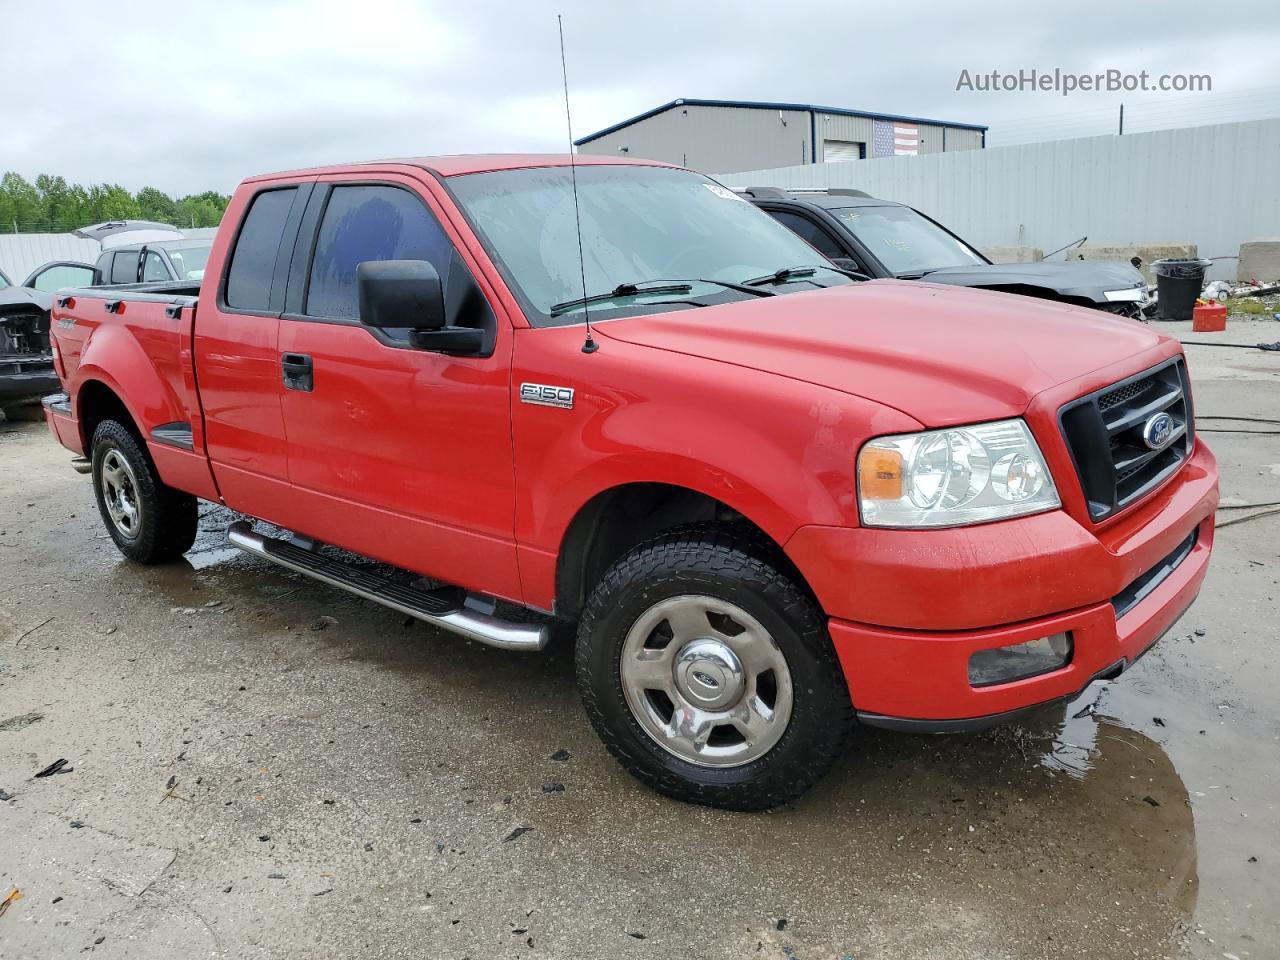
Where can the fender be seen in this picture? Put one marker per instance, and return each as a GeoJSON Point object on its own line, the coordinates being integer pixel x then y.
{"type": "Point", "coordinates": [781, 452]}
{"type": "Point", "coordinates": [113, 356]}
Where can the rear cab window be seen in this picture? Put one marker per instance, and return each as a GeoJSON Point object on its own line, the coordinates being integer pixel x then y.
{"type": "Point", "coordinates": [253, 261]}
{"type": "Point", "coordinates": [124, 268]}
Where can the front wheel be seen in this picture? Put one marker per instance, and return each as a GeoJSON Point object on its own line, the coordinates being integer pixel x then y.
{"type": "Point", "coordinates": [149, 522]}
{"type": "Point", "coordinates": [709, 674]}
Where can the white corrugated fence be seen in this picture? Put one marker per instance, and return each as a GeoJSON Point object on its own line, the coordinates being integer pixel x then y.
{"type": "Point", "coordinates": [20, 253]}
{"type": "Point", "coordinates": [1216, 187]}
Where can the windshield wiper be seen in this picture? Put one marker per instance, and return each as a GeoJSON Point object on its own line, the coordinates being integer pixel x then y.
{"type": "Point", "coordinates": [800, 273]}
{"type": "Point", "coordinates": [741, 288]}
{"type": "Point", "coordinates": [617, 293]}
{"type": "Point", "coordinates": [642, 289]}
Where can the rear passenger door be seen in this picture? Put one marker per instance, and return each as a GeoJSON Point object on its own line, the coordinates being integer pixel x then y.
{"type": "Point", "coordinates": [396, 452]}
{"type": "Point", "coordinates": [237, 357]}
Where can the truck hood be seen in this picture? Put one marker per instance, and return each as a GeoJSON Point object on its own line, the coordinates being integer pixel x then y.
{"type": "Point", "coordinates": [944, 356]}
{"type": "Point", "coordinates": [1088, 279]}
{"type": "Point", "coordinates": [23, 301]}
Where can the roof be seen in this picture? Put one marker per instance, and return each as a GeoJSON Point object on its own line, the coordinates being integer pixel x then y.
{"type": "Point", "coordinates": [766, 105]}
{"type": "Point", "coordinates": [819, 198]}
{"type": "Point", "coordinates": [175, 244]}
{"type": "Point", "coordinates": [461, 164]}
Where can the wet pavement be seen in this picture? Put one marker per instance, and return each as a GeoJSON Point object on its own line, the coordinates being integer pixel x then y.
{"type": "Point", "coordinates": [259, 766]}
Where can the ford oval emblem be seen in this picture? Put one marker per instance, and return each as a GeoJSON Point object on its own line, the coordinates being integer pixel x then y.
{"type": "Point", "coordinates": [706, 679]}
{"type": "Point", "coordinates": [1158, 431]}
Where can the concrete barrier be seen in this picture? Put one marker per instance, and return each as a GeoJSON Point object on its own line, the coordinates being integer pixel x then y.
{"type": "Point", "coordinates": [1259, 260]}
{"type": "Point", "coordinates": [1013, 254]}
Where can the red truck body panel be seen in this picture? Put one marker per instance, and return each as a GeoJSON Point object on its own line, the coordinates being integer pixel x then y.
{"type": "Point", "coordinates": [642, 415]}
{"type": "Point", "coordinates": [431, 462]}
{"type": "Point", "coordinates": [144, 356]}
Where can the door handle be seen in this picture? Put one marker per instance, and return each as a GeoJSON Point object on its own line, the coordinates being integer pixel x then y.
{"type": "Point", "coordinates": [297, 372]}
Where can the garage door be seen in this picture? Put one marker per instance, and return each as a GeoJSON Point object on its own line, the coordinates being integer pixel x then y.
{"type": "Point", "coordinates": [834, 151]}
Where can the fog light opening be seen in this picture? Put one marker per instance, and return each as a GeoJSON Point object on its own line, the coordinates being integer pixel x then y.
{"type": "Point", "coordinates": [1020, 661]}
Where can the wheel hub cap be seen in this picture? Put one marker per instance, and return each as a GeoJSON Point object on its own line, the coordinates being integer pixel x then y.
{"type": "Point", "coordinates": [705, 681]}
{"type": "Point", "coordinates": [709, 674]}
{"type": "Point", "coordinates": [120, 494]}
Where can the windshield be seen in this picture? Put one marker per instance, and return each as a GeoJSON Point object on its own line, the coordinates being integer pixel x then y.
{"type": "Point", "coordinates": [906, 242]}
{"type": "Point", "coordinates": [638, 224]}
{"type": "Point", "coordinates": [4, 281]}
{"type": "Point", "coordinates": [189, 261]}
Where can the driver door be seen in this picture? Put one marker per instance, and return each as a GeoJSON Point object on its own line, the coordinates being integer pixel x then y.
{"type": "Point", "coordinates": [396, 452]}
{"type": "Point", "coordinates": [61, 274]}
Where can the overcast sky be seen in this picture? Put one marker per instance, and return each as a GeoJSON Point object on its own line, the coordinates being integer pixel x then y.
{"type": "Point", "coordinates": [194, 96]}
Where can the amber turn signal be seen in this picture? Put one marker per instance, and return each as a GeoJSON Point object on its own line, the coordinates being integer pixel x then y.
{"type": "Point", "coordinates": [880, 474]}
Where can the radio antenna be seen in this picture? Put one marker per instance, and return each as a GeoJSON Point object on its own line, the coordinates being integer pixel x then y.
{"type": "Point", "coordinates": [589, 346]}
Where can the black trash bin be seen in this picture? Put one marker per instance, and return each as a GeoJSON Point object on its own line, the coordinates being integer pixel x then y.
{"type": "Point", "coordinates": [1179, 281]}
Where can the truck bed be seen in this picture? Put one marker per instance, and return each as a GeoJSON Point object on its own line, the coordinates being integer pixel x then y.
{"type": "Point", "coordinates": [140, 334]}
{"type": "Point", "coordinates": [169, 291]}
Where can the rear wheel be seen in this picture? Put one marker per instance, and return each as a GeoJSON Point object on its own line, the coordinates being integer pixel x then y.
{"type": "Point", "coordinates": [709, 674]}
{"type": "Point", "coordinates": [149, 522]}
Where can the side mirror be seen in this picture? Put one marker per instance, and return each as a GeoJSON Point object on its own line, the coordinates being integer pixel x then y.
{"type": "Point", "coordinates": [400, 294]}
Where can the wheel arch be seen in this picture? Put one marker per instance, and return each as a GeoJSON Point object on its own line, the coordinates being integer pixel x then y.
{"type": "Point", "coordinates": [112, 356]}
{"type": "Point", "coordinates": [621, 517]}
{"type": "Point", "coordinates": [96, 401]}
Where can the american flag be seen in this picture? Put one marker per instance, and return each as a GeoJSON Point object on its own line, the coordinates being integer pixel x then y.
{"type": "Point", "coordinates": [893, 139]}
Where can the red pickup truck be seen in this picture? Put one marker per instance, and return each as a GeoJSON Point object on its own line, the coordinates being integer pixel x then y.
{"type": "Point", "coordinates": [777, 501]}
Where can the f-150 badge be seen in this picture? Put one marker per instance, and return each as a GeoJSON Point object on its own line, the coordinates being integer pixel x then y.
{"type": "Point", "coordinates": [546, 396]}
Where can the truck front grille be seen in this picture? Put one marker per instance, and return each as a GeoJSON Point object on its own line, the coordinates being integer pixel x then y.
{"type": "Point", "coordinates": [1106, 435]}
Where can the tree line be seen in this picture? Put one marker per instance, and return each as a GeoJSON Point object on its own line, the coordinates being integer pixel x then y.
{"type": "Point", "coordinates": [51, 205]}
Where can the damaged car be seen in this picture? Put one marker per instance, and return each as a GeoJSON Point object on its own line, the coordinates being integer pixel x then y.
{"type": "Point", "coordinates": [881, 238]}
{"type": "Point", "coordinates": [26, 360]}
{"type": "Point", "coordinates": [133, 251]}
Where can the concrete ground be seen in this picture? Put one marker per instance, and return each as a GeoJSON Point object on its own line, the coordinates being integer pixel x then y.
{"type": "Point", "coordinates": [259, 766]}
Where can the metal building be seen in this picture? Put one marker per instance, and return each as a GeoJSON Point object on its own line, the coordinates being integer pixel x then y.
{"type": "Point", "coordinates": [727, 136]}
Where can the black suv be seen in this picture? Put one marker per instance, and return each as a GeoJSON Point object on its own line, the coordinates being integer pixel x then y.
{"type": "Point", "coordinates": [885, 239]}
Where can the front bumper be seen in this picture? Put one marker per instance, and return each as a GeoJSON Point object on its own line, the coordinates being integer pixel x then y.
{"type": "Point", "coordinates": [916, 605]}
{"type": "Point", "coordinates": [25, 377]}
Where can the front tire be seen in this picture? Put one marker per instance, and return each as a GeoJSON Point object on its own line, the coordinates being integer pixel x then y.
{"type": "Point", "coordinates": [709, 673]}
{"type": "Point", "coordinates": [149, 522]}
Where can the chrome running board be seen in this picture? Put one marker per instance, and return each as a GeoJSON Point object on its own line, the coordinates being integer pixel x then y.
{"type": "Point", "coordinates": [451, 611]}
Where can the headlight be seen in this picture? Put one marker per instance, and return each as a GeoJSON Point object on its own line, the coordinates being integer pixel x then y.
{"type": "Point", "coordinates": [1134, 293]}
{"type": "Point", "coordinates": [947, 478]}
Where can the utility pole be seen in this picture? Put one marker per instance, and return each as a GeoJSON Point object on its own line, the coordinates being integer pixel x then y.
{"type": "Point", "coordinates": [1122, 119]}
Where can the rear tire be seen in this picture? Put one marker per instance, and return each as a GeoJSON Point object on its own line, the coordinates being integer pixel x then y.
{"type": "Point", "coordinates": [149, 522]}
{"type": "Point", "coordinates": [709, 673]}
